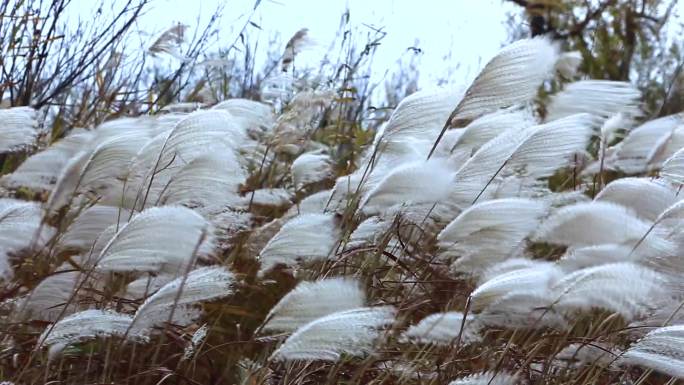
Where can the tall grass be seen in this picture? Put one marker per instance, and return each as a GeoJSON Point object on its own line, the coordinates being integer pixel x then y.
{"type": "Point", "coordinates": [270, 226]}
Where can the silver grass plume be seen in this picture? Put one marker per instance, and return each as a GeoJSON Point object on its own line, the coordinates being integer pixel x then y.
{"type": "Point", "coordinates": [568, 64]}
{"type": "Point", "coordinates": [489, 232]}
{"type": "Point", "coordinates": [270, 197]}
{"type": "Point", "coordinates": [661, 349]}
{"type": "Point", "coordinates": [673, 168]}
{"type": "Point", "coordinates": [252, 115]}
{"type": "Point", "coordinates": [305, 238]}
{"type": "Point", "coordinates": [100, 171]}
{"type": "Point", "coordinates": [42, 169]}
{"type": "Point", "coordinates": [648, 198]}
{"type": "Point", "coordinates": [293, 47]}
{"type": "Point", "coordinates": [311, 300]}
{"type": "Point", "coordinates": [624, 288]}
{"type": "Point", "coordinates": [416, 122]}
{"type": "Point", "coordinates": [89, 225]}
{"type": "Point", "coordinates": [578, 354]}
{"type": "Point", "coordinates": [86, 325]}
{"type": "Point", "coordinates": [146, 285]}
{"type": "Point", "coordinates": [315, 203]}
{"type": "Point", "coordinates": [19, 128]}
{"type": "Point", "coordinates": [54, 296]}
{"type": "Point", "coordinates": [368, 232]}
{"type": "Point", "coordinates": [195, 135]}
{"type": "Point", "coordinates": [310, 168]}
{"type": "Point", "coordinates": [513, 76]}
{"type": "Point", "coordinates": [444, 329]}
{"type": "Point", "coordinates": [576, 258]}
{"type": "Point", "coordinates": [489, 126]}
{"type": "Point", "coordinates": [21, 228]}
{"type": "Point", "coordinates": [487, 378]}
{"type": "Point", "coordinates": [175, 302]}
{"type": "Point", "coordinates": [169, 41]}
{"type": "Point", "coordinates": [350, 332]}
{"type": "Point", "coordinates": [598, 222]}
{"type": "Point", "coordinates": [603, 98]}
{"type": "Point", "coordinates": [208, 183]}
{"type": "Point", "coordinates": [196, 342]}
{"type": "Point", "coordinates": [411, 183]}
{"type": "Point", "coordinates": [645, 147]}
{"type": "Point", "coordinates": [160, 239]}
{"type": "Point", "coordinates": [529, 154]}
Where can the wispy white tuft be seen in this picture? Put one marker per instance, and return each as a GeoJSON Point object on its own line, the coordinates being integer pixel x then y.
{"type": "Point", "coordinates": [160, 239]}
{"type": "Point", "coordinates": [82, 234]}
{"type": "Point", "coordinates": [67, 182]}
{"type": "Point", "coordinates": [99, 171]}
{"type": "Point", "coordinates": [368, 232]}
{"type": "Point", "coordinates": [637, 151]}
{"type": "Point", "coordinates": [551, 146]}
{"type": "Point", "coordinates": [624, 288]}
{"type": "Point", "coordinates": [603, 98]}
{"type": "Point", "coordinates": [668, 312]}
{"type": "Point", "coordinates": [487, 378]}
{"type": "Point", "coordinates": [197, 134]}
{"type": "Point", "coordinates": [520, 297]}
{"type": "Point", "coordinates": [673, 168]}
{"type": "Point", "coordinates": [147, 285]}
{"type": "Point", "coordinates": [489, 232]}
{"type": "Point", "coordinates": [648, 198]}
{"type": "Point", "coordinates": [511, 265]}
{"type": "Point", "coordinates": [597, 223]}
{"type": "Point", "coordinates": [345, 188]}
{"type": "Point", "coordinates": [568, 63]}
{"type": "Point", "coordinates": [270, 197]}
{"type": "Point", "coordinates": [304, 238]}
{"type": "Point", "coordinates": [524, 309]}
{"type": "Point", "coordinates": [294, 46]}
{"type": "Point", "coordinates": [349, 332]}
{"type": "Point", "coordinates": [19, 128]}
{"type": "Point", "coordinates": [487, 127]}
{"type": "Point", "coordinates": [443, 329]}
{"type": "Point", "coordinates": [316, 203]}
{"type": "Point", "coordinates": [535, 152]}
{"type": "Point", "coordinates": [169, 42]}
{"type": "Point", "coordinates": [208, 183]}
{"type": "Point", "coordinates": [580, 257]}
{"type": "Point", "coordinates": [311, 168]}
{"type": "Point", "coordinates": [196, 341]}
{"type": "Point", "coordinates": [252, 114]}
{"type": "Point", "coordinates": [538, 278]}
{"type": "Point", "coordinates": [53, 296]}
{"type": "Point", "coordinates": [21, 229]}
{"type": "Point", "coordinates": [577, 354]}
{"type": "Point", "coordinates": [42, 169]}
{"type": "Point", "coordinates": [418, 119]}
{"type": "Point", "coordinates": [110, 160]}
{"type": "Point", "coordinates": [611, 127]}
{"type": "Point", "coordinates": [662, 350]}
{"type": "Point", "coordinates": [174, 301]}
{"type": "Point", "coordinates": [311, 300]}
{"type": "Point", "coordinates": [84, 326]}
{"type": "Point", "coordinates": [511, 77]}
{"type": "Point", "coordinates": [418, 182]}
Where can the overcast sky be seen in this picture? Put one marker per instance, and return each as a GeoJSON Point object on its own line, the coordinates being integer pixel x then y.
{"type": "Point", "coordinates": [471, 30]}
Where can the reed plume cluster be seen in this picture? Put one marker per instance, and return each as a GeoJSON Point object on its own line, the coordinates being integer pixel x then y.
{"type": "Point", "coordinates": [494, 234]}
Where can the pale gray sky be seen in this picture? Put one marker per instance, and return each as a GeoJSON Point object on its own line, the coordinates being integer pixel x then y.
{"type": "Point", "coordinates": [471, 30]}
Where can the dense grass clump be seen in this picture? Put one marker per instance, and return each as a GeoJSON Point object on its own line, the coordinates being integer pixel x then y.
{"type": "Point", "coordinates": [511, 232]}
